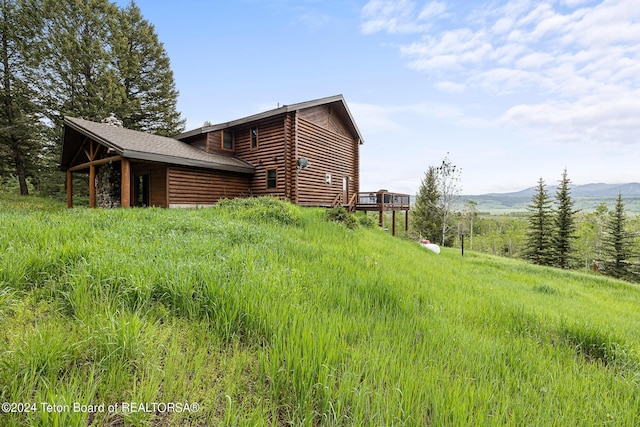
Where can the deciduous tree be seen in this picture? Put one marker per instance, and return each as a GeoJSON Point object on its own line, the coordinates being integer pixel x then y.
{"type": "Point", "coordinates": [448, 184]}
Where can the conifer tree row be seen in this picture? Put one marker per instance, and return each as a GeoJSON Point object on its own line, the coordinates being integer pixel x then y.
{"type": "Point", "coordinates": [551, 232]}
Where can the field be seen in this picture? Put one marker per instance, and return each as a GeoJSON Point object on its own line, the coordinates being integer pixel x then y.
{"type": "Point", "coordinates": [258, 312]}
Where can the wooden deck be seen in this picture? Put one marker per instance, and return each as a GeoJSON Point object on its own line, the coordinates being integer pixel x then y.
{"type": "Point", "coordinates": [381, 201]}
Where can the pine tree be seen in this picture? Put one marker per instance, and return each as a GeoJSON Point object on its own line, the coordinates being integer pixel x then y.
{"type": "Point", "coordinates": [565, 227]}
{"type": "Point", "coordinates": [97, 60]}
{"type": "Point", "coordinates": [427, 218]}
{"type": "Point", "coordinates": [143, 70]}
{"type": "Point", "coordinates": [20, 124]}
{"type": "Point", "coordinates": [79, 78]}
{"type": "Point", "coordinates": [538, 244]}
{"type": "Point", "coordinates": [618, 244]}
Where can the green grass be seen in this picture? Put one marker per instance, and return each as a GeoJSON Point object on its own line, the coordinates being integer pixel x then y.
{"type": "Point", "coordinates": [264, 313]}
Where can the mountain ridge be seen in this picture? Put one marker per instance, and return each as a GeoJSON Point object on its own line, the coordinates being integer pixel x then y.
{"type": "Point", "coordinates": [587, 197]}
{"type": "Point", "coordinates": [631, 189]}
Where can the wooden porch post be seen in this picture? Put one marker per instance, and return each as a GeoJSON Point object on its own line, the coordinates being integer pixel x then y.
{"type": "Point", "coordinates": [380, 218]}
{"type": "Point", "coordinates": [406, 220]}
{"type": "Point", "coordinates": [69, 189]}
{"type": "Point", "coordinates": [92, 186]}
{"type": "Point", "coordinates": [125, 191]}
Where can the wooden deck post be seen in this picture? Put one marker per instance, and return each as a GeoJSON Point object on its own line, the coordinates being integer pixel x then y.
{"type": "Point", "coordinates": [380, 218]}
{"type": "Point", "coordinates": [406, 220]}
{"type": "Point", "coordinates": [393, 221]}
{"type": "Point", "coordinates": [92, 186]}
{"type": "Point", "coordinates": [125, 192]}
{"type": "Point", "coordinates": [69, 189]}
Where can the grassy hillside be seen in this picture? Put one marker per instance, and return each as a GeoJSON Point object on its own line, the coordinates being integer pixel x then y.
{"type": "Point", "coordinates": [262, 313]}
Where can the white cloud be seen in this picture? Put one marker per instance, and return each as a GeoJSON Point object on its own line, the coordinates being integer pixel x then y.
{"type": "Point", "coordinates": [583, 58]}
{"type": "Point", "coordinates": [399, 16]}
{"type": "Point", "coordinates": [451, 87]}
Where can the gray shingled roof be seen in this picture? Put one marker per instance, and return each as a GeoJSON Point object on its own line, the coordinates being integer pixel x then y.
{"type": "Point", "coordinates": [337, 100]}
{"type": "Point", "coordinates": [137, 145]}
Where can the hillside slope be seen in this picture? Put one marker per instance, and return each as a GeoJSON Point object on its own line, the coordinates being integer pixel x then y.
{"type": "Point", "coordinates": [258, 312]}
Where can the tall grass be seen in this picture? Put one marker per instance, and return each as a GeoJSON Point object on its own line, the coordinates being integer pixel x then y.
{"type": "Point", "coordinates": [265, 313]}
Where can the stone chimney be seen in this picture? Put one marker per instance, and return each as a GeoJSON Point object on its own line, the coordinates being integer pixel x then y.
{"type": "Point", "coordinates": [112, 120]}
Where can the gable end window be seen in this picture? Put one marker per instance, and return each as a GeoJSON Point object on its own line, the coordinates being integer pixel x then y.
{"type": "Point", "coordinates": [254, 137]}
{"type": "Point", "coordinates": [272, 179]}
{"type": "Point", "coordinates": [227, 140]}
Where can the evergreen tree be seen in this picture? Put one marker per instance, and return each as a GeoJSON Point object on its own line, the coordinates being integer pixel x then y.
{"type": "Point", "coordinates": [427, 218]}
{"type": "Point", "coordinates": [565, 227]}
{"type": "Point", "coordinates": [144, 73]}
{"type": "Point", "coordinates": [79, 78]}
{"type": "Point", "coordinates": [618, 244]}
{"type": "Point", "coordinates": [98, 60]}
{"type": "Point", "coordinates": [538, 244]}
{"type": "Point", "coordinates": [20, 127]}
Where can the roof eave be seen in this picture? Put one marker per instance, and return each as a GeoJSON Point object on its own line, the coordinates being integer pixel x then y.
{"type": "Point", "coordinates": [161, 158]}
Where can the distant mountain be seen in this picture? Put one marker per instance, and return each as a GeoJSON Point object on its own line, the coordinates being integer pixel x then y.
{"type": "Point", "coordinates": [631, 189]}
{"type": "Point", "coordinates": [586, 197]}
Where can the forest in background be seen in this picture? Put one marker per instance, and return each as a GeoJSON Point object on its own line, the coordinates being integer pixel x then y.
{"type": "Point", "coordinates": [86, 59]}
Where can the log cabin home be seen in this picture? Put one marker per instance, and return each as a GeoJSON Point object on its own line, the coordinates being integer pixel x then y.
{"type": "Point", "coordinates": [307, 153]}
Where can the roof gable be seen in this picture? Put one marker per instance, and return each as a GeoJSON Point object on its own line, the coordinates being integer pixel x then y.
{"type": "Point", "coordinates": [138, 145]}
{"type": "Point", "coordinates": [337, 103]}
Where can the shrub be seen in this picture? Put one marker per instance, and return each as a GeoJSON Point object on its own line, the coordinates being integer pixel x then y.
{"type": "Point", "coordinates": [341, 215]}
{"type": "Point", "coordinates": [365, 220]}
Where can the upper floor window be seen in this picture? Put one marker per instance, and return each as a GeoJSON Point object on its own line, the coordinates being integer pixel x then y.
{"type": "Point", "coordinates": [254, 137]}
{"type": "Point", "coordinates": [227, 140]}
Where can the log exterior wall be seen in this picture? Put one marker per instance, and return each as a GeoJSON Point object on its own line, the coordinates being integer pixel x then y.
{"type": "Point", "coordinates": [157, 182]}
{"type": "Point", "coordinates": [322, 134]}
{"type": "Point", "coordinates": [314, 133]}
{"type": "Point", "coordinates": [193, 187]}
{"type": "Point", "coordinates": [328, 152]}
{"type": "Point", "coordinates": [269, 154]}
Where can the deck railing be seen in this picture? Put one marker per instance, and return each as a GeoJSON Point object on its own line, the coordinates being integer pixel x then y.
{"type": "Point", "coordinates": [382, 201]}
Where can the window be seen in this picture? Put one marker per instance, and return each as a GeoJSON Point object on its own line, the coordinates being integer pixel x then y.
{"type": "Point", "coordinates": [272, 179]}
{"type": "Point", "coordinates": [254, 137]}
{"type": "Point", "coordinates": [227, 140]}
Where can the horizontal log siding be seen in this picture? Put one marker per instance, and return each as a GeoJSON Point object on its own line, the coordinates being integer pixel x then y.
{"type": "Point", "coordinates": [157, 181]}
{"type": "Point", "coordinates": [214, 144]}
{"type": "Point", "coordinates": [200, 186]}
{"type": "Point", "coordinates": [270, 154]}
{"type": "Point", "coordinates": [327, 152]}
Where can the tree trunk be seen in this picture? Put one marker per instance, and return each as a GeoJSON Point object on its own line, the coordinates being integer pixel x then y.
{"type": "Point", "coordinates": [22, 177]}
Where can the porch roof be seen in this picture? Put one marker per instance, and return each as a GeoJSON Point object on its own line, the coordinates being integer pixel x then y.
{"type": "Point", "coordinates": [144, 146]}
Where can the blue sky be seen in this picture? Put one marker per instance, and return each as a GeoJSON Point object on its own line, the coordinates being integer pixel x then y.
{"type": "Point", "coordinates": [511, 90]}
